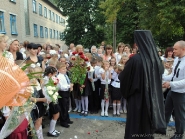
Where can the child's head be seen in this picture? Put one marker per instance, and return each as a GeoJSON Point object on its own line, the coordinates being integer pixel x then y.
{"type": "Point", "coordinates": [89, 56]}
{"type": "Point", "coordinates": [113, 61]}
{"type": "Point", "coordinates": [52, 62]}
{"type": "Point", "coordinates": [124, 59]}
{"type": "Point", "coordinates": [168, 65]}
{"type": "Point", "coordinates": [50, 71]}
{"type": "Point", "coordinates": [99, 61]}
{"type": "Point", "coordinates": [120, 68]}
{"type": "Point", "coordinates": [93, 62]}
{"type": "Point", "coordinates": [105, 65]}
{"type": "Point", "coordinates": [35, 68]}
{"type": "Point", "coordinates": [99, 51]}
{"type": "Point", "coordinates": [61, 67]}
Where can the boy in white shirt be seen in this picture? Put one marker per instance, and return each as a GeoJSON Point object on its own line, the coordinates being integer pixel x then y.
{"type": "Point", "coordinates": [64, 91]}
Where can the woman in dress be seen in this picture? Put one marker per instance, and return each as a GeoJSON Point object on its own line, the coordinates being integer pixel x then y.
{"type": "Point", "coordinates": [128, 49]}
{"type": "Point", "coordinates": [108, 53]}
{"type": "Point", "coordinates": [168, 56]}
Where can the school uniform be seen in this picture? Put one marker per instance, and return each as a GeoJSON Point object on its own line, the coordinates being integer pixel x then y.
{"type": "Point", "coordinates": [115, 93]}
{"type": "Point", "coordinates": [64, 92]}
{"type": "Point", "coordinates": [104, 82]}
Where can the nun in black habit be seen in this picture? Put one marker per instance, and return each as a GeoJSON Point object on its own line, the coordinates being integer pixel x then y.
{"type": "Point", "coordinates": [141, 86]}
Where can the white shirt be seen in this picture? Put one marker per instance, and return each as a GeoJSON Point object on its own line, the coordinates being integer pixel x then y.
{"type": "Point", "coordinates": [178, 83]}
{"type": "Point", "coordinates": [103, 81]}
{"type": "Point", "coordinates": [96, 70]}
{"type": "Point", "coordinates": [118, 57]}
{"type": "Point", "coordinates": [63, 84]}
{"type": "Point", "coordinates": [116, 82]}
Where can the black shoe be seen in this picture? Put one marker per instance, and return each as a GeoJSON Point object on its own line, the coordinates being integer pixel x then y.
{"type": "Point", "coordinates": [65, 125]}
{"type": "Point", "coordinates": [86, 113]}
{"type": "Point", "coordinates": [70, 122]}
{"type": "Point", "coordinates": [95, 112]}
{"type": "Point", "coordinates": [53, 134]}
{"type": "Point", "coordinates": [56, 131]}
{"type": "Point", "coordinates": [82, 113]}
{"type": "Point", "coordinates": [91, 112]}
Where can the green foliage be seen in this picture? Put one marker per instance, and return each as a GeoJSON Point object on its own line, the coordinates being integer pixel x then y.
{"type": "Point", "coordinates": [84, 19]}
{"type": "Point", "coordinates": [78, 71]}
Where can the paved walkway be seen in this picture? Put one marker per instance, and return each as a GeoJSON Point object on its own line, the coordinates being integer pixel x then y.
{"type": "Point", "coordinates": [97, 127]}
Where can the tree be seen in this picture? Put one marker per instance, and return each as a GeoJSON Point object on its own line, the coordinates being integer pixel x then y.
{"type": "Point", "coordinates": [83, 25]}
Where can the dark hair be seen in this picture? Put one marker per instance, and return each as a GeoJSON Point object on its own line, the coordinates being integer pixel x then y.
{"type": "Point", "coordinates": [32, 46]}
{"type": "Point", "coordinates": [49, 70]}
{"type": "Point", "coordinates": [168, 49]}
{"type": "Point", "coordinates": [39, 45]}
{"type": "Point", "coordinates": [25, 44]}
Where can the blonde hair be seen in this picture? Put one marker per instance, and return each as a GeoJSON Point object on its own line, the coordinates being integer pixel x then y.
{"type": "Point", "coordinates": [3, 37]}
{"type": "Point", "coordinates": [120, 45]}
{"type": "Point", "coordinates": [60, 65]}
{"type": "Point", "coordinates": [104, 62]}
{"type": "Point", "coordinates": [53, 61]}
{"type": "Point", "coordinates": [124, 56]}
{"type": "Point", "coordinates": [78, 47]}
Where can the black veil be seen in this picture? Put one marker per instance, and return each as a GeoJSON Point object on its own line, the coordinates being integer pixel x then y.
{"type": "Point", "coordinates": [153, 69]}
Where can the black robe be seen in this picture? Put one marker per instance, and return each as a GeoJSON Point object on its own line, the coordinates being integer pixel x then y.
{"type": "Point", "coordinates": [141, 86]}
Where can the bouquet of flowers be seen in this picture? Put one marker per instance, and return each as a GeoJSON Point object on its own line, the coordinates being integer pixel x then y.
{"type": "Point", "coordinates": [52, 89]}
{"type": "Point", "coordinates": [78, 69]}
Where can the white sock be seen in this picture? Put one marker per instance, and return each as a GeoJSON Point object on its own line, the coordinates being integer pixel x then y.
{"type": "Point", "coordinates": [86, 103]}
{"type": "Point", "coordinates": [41, 132]}
{"type": "Point", "coordinates": [79, 104]}
{"type": "Point", "coordinates": [76, 103]}
{"type": "Point", "coordinates": [52, 126]}
{"type": "Point", "coordinates": [114, 108]}
{"type": "Point", "coordinates": [82, 102]}
{"type": "Point", "coordinates": [118, 107]}
{"type": "Point", "coordinates": [102, 105]}
{"type": "Point", "coordinates": [106, 106]}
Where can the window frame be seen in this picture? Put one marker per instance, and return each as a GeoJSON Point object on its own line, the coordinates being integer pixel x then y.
{"type": "Point", "coordinates": [46, 30]}
{"type": "Point", "coordinates": [3, 31]}
{"type": "Point", "coordinates": [45, 12]}
{"type": "Point", "coordinates": [50, 15]}
{"type": "Point", "coordinates": [35, 33]}
{"type": "Point", "coordinates": [40, 9]}
{"type": "Point", "coordinates": [41, 32]}
{"type": "Point", "coordinates": [34, 4]}
{"type": "Point", "coordinates": [50, 33]}
{"type": "Point", "coordinates": [11, 21]}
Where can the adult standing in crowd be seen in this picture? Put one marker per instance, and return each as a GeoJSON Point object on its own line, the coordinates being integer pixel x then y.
{"type": "Point", "coordinates": [168, 56]}
{"type": "Point", "coordinates": [141, 86]}
{"type": "Point", "coordinates": [13, 45]}
{"type": "Point", "coordinates": [120, 52]}
{"type": "Point", "coordinates": [175, 99]}
{"type": "Point", "coordinates": [94, 51]}
{"type": "Point", "coordinates": [71, 48]}
{"type": "Point", "coordinates": [108, 53]}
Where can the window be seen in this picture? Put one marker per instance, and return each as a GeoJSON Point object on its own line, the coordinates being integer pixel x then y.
{"type": "Point", "coordinates": [14, 1]}
{"type": "Point", "coordinates": [40, 9]}
{"type": "Point", "coordinates": [59, 19]}
{"type": "Point", "coordinates": [56, 18]}
{"type": "Point", "coordinates": [53, 17]}
{"type": "Point", "coordinates": [35, 30]}
{"type": "Point", "coordinates": [46, 32]}
{"type": "Point", "coordinates": [13, 24]}
{"type": "Point", "coordinates": [45, 12]}
{"type": "Point", "coordinates": [2, 28]}
{"type": "Point", "coordinates": [62, 22]}
{"type": "Point", "coordinates": [34, 6]}
{"type": "Point", "coordinates": [57, 35]}
{"type": "Point", "coordinates": [50, 33]}
{"type": "Point", "coordinates": [53, 34]}
{"type": "Point", "coordinates": [50, 14]}
{"type": "Point", "coordinates": [41, 32]}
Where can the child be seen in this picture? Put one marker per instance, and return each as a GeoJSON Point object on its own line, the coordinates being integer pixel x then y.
{"type": "Point", "coordinates": [105, 81]}
{"type": "Point", "coordinates": [122, 62]}
{"type": "Point", "coordinates": [116, 94]}
{"type": "Point", "coordinates": [124, 59]}
{"type": "Point", "coordinates": [97, 83]}
{"type": "Point", "coordinates": [64, 91]}
{"type": "Point", "coordinates": [39, 111]}
{"type": "Point", "coordinates": [53, 108]}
